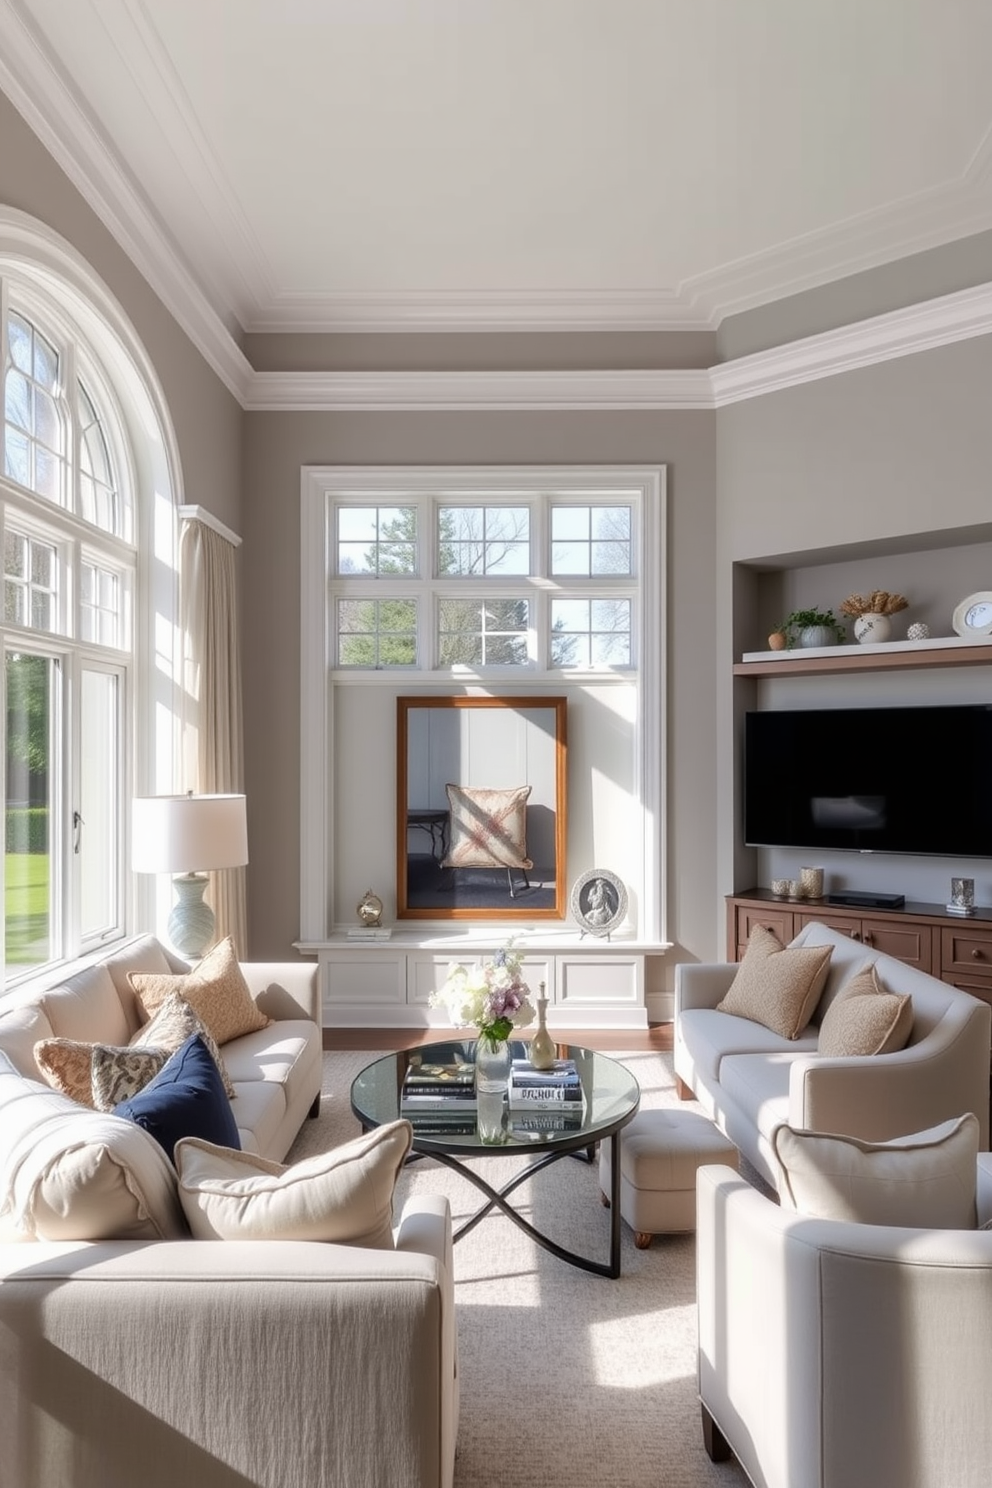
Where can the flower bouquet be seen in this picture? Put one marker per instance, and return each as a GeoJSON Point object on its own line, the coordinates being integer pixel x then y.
{"type": "Point", "coordinates": [491, 995]}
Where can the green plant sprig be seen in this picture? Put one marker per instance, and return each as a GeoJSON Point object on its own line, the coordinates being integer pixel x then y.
{"type": "Point", "coordinates": [803, 619]}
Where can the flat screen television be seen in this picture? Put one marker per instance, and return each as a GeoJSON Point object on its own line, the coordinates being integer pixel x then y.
{"type": "Point", "coordinates": [884, 780]}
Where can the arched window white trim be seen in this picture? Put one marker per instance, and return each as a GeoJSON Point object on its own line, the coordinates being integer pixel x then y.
{"type": "Point", "coordinates": [45, 272]}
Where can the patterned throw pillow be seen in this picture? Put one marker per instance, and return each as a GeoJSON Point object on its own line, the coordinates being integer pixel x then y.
{"type": "Point", "coordinates": [172, 1025]}
{"type": "Point", "coordinates": [216, 988]}
{"type": "Point", "coordinates": [66, 1065]}
{"type": "Point", "coordinates": [488, 827]}
{"type": "Point", "coordinates": [776, 986]}
{"type": "Point", "coordinates": [865, 1018]}
{"type": "Point", "coordinates": [117, 1074]}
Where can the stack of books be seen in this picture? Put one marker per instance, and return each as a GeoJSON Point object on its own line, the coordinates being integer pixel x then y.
{"type": "Point", "coordinates": [557, 1089]}
{"type": "Point", "coordinates": [441, 1089]}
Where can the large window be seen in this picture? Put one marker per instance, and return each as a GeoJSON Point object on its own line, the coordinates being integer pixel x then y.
{"type": "Point", "coordinates": [545, 581]}
{"type": "Point", "coordinates": [69, 578]}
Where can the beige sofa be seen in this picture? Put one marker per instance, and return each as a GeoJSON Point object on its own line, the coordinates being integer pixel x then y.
{"type": "Point", "coordinates": [836, 1355]}
{"type": "Point", "coordinates": [750, 1080]}
{"type": "Point", "coordinates": [235, 1364]}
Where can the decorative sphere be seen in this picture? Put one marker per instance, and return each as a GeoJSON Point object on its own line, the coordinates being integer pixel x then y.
{"type": "Point", "coordinates": [918, 631]}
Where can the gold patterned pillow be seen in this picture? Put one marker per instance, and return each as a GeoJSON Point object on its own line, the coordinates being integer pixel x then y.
{"type": "Point", "coordinates": [66, 1065]}
{"type": "Point", "coordinates": [775, 985]}
{"type": "Point", "coordinates": [216, 989]}
{"type": "Point", "coordinates": [172, 1025]}
{"type": "Point", "coordinates": [488, 828]}
{"type": "Point", "coordinates": [865, 1018]}
{"type": "Point", "coordinates": [117, 1074]}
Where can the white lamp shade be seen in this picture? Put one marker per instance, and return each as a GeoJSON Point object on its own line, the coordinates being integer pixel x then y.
{"type": "Point", "coordinates": [188, 834]}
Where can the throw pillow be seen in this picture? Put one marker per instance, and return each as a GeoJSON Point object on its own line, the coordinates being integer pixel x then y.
{"type": "Point", "coordinates": [185, 1099]}
{"type": "Point", "coordinates": [777, 986]}
{"type": "Point", "coordinates": [924, 1181]}
{"type": "Point", "coordinates": [117, 1074]}
{"type": "Point", "coordinates": [170, 1027]}
{"type": "Point", "coordinates": [71, 1174]}
{"type": "Point", "coordinates": [488, 828]}
{"type": "Point", "coordinates": [865, 1018]}
{"type": "Point", "coordinates": [344, 1196]}
{"type": "Point", "coordinates": [216, 988]}
{"type": "Point", "coordinates": [66, 1065]}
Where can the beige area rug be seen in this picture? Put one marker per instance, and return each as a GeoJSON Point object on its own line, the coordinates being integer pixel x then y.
{"type": "Point", "coordinates": [566, 1378]}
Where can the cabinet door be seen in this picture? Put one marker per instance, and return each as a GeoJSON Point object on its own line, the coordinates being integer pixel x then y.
{"type": "Point", "coordinates": [780, 921]}
{"type": "Point", "coordinates": [910, 943]}
{"type": "Point", "coordinates": [966, 952]}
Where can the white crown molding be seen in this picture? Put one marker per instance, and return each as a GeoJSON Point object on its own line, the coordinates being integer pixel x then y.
{"type": "Point", "coordinates": [477, 391]}
{"type": "Point", "coordinates": [898, 333]}
{"type": "Point", "coordinates": [33, 82]}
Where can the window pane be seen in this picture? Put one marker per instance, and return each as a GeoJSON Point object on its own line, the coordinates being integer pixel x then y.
{"type": "Point", "coordinates": [46, 421]}
{"type": "Point", "coordinates": [605, 546]}
{"type": "Point", "coordinates": [15, 601]}
{"type": "Point", "coordinates": [17, 401]}
{"type": "Point", "coordinates": [377, 633]}
{"type": "Point", "coordinates": [588, 633]}
{"type": "Point", "coordinates": [377, 540]}
{"type": "Point", "coordinates": [47, 474]}
{"type": "Point", "coordinates": [46, 363]}
{"type": "Point", "coordinates": [569, 522]}
{"type": "Point", "coordinates": [98, 803]}
{"type": "Point", "coordinates": [29, 939]}
{"type": "Point", "coordinates": [15, 555]}
{"type": "Point", "coordinates": [570, 558]}
{"type": "Point", "coordinates": [19, 342]}
{"type": "Point", "coordinates": [483, 540]}
{"type": "Point", "coordinates": [491, 633]}
{"type": "Point", "coordinates": [17, 458]}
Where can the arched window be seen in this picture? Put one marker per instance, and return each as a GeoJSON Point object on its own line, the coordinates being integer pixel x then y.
{"type": "Point", "coordinates": [79, 523]}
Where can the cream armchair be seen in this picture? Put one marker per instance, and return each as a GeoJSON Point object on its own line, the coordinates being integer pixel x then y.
{"type": "Point", "coordinates": [836, 1355]}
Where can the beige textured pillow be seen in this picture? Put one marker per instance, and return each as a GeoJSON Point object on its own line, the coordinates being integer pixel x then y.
{"type": "Point", "coordinates": [865, 1018]}
{"type": "Point", "coordinates": [924, 1181]}
{"type": "Point", "coordinates": [172, 1025]}
{"type": "Point", "coordinates": [488, 827]}
{"type": "Point", "coordinates": [777, 986]}
{"type": "Point", "coordinates": [345, 1195]}
{"type": "Point", "coordinates": [216, 988]}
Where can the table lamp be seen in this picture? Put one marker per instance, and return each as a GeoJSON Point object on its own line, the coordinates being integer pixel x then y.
{"type": "Point", "coordinates": [189, 836]}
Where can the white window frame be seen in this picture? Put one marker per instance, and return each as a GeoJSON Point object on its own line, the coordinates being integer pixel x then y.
{"type": "Point", "coordinates": [322, 683]}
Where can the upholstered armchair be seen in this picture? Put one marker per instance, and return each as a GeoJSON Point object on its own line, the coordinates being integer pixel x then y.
{"type": "Point", "coordinates": [839, 1355]}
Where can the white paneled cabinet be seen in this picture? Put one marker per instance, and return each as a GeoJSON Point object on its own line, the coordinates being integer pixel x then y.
{"type": "Point", "coordinates": [388, 984]}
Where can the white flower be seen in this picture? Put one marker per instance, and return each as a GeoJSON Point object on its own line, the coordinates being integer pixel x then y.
{"type": "Point", "coordinates": [491, 995]}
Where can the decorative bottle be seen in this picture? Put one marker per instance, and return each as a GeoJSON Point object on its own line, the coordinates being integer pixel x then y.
{"type": "Point", "coordinates": [542, 1047]}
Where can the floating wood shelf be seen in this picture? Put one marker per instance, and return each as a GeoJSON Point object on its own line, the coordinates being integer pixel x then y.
{"type": "Point", "coordinates": [892, 657]}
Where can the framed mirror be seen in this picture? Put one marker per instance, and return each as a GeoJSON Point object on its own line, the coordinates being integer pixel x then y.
{"type": "Point", "coordinates": [480, 808]}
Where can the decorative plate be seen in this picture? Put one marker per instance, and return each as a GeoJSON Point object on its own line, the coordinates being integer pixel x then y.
{"type": "Point", "coordinates": [973, 616]}
{"type": "Point", "coordinates": [598, 901]}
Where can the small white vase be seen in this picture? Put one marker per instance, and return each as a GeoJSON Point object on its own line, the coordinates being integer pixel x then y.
{"type": "Point", "coordinates": [872, 628]}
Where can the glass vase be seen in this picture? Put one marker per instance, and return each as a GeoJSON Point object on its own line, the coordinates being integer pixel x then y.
{"type": "Point", "coordinates": [492, 1077]}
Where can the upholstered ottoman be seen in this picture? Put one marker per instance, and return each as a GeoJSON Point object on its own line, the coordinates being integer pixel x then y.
{"type": "Point", "coordinates": [659, 1154]}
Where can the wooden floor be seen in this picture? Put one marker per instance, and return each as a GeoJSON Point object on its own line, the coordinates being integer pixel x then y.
{"type": "Point", "coordinates": [658, 1036]}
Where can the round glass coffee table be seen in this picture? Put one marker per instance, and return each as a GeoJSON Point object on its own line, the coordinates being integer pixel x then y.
{"type": "Point", "coordinates": [611, 1096]}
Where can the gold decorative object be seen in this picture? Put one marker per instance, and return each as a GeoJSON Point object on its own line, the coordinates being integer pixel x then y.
{"type": "Point", "coordinates": [370, 910]}
{"type": "Point", "coordinates": [542, 1048]}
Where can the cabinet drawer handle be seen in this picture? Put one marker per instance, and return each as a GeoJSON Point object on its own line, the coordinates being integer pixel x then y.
{"type": "Point", "coordinates": [855, 934]}
{"type": "Point", "coordinates": [868, 938]}
{"type": "Point", "coordinates": [977, 955]}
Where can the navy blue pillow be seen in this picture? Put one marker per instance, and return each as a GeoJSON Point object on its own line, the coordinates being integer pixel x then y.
{"type": "Point", "coordinates": [185, 1099]}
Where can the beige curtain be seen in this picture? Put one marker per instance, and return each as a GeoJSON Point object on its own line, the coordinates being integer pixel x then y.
{"type": "Point", "coordinates": [213, 729]}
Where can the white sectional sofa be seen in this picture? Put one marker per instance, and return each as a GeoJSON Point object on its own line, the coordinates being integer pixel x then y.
{"type": "Point", "coordinates": [749, 1080]}
{"type": "Point", "coordinates": [129, 1349]}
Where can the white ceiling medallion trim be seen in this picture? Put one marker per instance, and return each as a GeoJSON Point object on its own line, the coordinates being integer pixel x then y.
{"type": "Point", "coordinates": [37, 88]}
{"type": "Point", "coordinates": [468, 391]}
{"type": "Point", "coordinates": [940, 322]}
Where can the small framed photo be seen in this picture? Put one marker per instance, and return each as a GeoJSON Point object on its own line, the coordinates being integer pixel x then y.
{"type": "Point", "coordinates": [599, 902]}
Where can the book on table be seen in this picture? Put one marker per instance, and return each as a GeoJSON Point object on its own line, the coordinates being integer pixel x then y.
{"type": "Point", "coordinates": [565, 1117]}
{"type": "Point", "coordinates": [446, 1086]}
{"type": "Point", "coordinates": [551, 1089]}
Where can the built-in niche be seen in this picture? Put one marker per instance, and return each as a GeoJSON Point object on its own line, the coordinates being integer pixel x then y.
{"type": "Point", "coordinates": [481, 808]}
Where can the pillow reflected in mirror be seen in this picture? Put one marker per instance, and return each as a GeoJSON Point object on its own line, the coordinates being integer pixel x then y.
{"type": "Point", "coordinates": [488, 828]}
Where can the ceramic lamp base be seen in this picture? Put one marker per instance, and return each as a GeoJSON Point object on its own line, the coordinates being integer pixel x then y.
{"type": "Point", "coordinates": [191, 922]}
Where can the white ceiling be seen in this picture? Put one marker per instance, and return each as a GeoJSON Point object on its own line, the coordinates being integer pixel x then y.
{"type": "Point", "coordinates": [510, 164]}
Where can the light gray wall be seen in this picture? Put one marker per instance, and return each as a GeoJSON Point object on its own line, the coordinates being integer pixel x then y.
{"type": "Point", "coordinates": [206, 418]}
{"type": "Point", "coordinates": [894, 457]}
{"type": "Point", "coordinates": [278, 444]}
